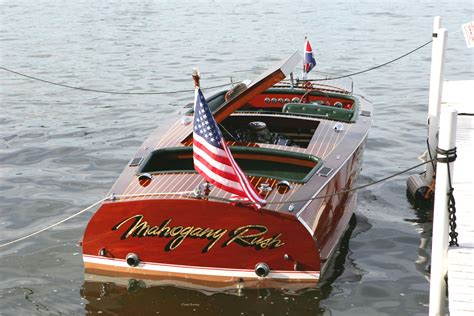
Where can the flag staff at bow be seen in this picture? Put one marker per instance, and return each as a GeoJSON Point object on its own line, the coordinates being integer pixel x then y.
{"type": "Point", "coordinates": [308, 60]}
{"type": "Point", "coordinates": [212, 158]}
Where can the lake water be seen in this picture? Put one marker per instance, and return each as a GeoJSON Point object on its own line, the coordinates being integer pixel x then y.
{"type": "Point", "coordinates": [61, 149]}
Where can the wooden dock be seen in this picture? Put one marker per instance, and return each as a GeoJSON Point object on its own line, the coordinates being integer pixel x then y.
{"type": "Point", "coordinates": [460, 95]}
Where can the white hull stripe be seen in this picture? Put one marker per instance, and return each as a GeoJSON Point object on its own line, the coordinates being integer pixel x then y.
{"type": "Point", "coordinates": [223, 272]}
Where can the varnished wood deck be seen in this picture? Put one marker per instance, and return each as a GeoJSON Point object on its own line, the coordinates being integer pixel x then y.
{"type": "Point", "coordinates": [322, 144]}
{"type": "Point", "coordinates": [335, 148]}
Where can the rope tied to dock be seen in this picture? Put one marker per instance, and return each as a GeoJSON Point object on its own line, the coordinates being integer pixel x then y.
{"type": "Point", "coordinates": [447, 156]}
{"type": "Point", "coordinates": [106, 91]}
{"type": "Point", "coordinates": [192, 194]}
{"type": "Point", "coordinates": [53, 225]}
{"type": "Point", "coordinates": [69, 86]}
{"type": "Point", "coordinates": [356, 188]}
{"type": "Point", "coordinates": [112, 197]}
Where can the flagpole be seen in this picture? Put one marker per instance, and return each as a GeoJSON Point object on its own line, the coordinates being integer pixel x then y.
{"type": "Point", "coordinates": [206, 186]}
{"type": "Point", "coordinates": [196, 77]}
{"type": "Point", "coordinates": [303, 76]}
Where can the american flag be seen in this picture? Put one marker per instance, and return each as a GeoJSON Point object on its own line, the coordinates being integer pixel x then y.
{"type": "Point", "coordinates": [308, 61]}
{"type": "Point", "coordinates": [213, 159]}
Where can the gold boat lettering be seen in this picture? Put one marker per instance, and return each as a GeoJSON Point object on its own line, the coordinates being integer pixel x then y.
{"type": "Point", "coordinates": [245, 236]}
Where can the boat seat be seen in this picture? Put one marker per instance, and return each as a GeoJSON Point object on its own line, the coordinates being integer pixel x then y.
{"type": "Point", "coordinates": [330, 112]}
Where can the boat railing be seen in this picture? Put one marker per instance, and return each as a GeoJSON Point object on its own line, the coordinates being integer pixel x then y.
{"type": "Point", "coordinates": [323, 81]}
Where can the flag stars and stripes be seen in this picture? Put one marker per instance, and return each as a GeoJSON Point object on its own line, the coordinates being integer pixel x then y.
{"type": "Point", "coordinates": [213, 159]}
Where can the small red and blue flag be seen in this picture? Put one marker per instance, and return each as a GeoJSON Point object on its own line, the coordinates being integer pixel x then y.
{"type": "Point", "coordinates": [308, 61]}
{"type": "Point", "coordinates": [213, 159]}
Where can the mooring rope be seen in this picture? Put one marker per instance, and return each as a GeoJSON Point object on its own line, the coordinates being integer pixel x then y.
{"type": "Point", "coordinates": [431, 156]}
{"type": "Point", "coordinates": [376, 67]}
{"type": "Point", "coordinates": [111, 197]}
{"type": "Point", "coordinates": [193, 194]}
{"type": "Point", "coordinates": [212, 87]}
{"type": "Point", "coordinates": [104, 91]}
{"type": "Point", "coordinates": [52, 225]}
{"type": "Point", "coordinates": [348, 190]}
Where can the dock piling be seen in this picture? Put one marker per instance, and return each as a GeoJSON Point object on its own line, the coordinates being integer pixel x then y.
{"type": "Point", "coordinates": [419, 185]}
{"type": "Point", "coordinates": [440, 36]}
{"type": "Point", "coordinates": [439, 251]}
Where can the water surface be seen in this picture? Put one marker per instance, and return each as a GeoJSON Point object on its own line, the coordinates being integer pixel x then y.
{"type": "Point", "coordinates": [61, 149]}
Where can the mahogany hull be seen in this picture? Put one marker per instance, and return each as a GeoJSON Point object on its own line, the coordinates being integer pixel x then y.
{"type": "Point", "coordinates": [329, 216]}
{"type": "Point", "coordinates": [199, 240]}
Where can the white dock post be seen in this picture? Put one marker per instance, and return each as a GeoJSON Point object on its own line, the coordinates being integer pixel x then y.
{"type": "Point", "coordinates": [439, 250]}
{"type": "Point", "coordinates": [440, 36]}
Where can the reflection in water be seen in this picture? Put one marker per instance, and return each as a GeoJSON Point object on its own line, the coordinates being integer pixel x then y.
{"type": "Point", "coordinates": [424, 222]}
{"type": "Point", "coordinates": [122, 297]}
{"type": "Point", "coordinates": [138, 299]}
{"type": "Point", "coordinates": [336, 265]}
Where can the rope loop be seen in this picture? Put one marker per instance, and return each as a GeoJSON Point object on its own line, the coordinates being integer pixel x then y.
{"type": "Point", "coordinates": [449, 155]}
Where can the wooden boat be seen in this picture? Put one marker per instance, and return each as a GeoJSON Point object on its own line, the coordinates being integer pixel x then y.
{"type": "Point", "coordinates": [300, 144]}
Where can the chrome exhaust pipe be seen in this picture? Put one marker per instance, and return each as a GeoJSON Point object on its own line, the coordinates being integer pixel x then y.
{"type": "Point", "coordinates": [132, 259]}
{"type": "Point", "coordinates": [262, 269]}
